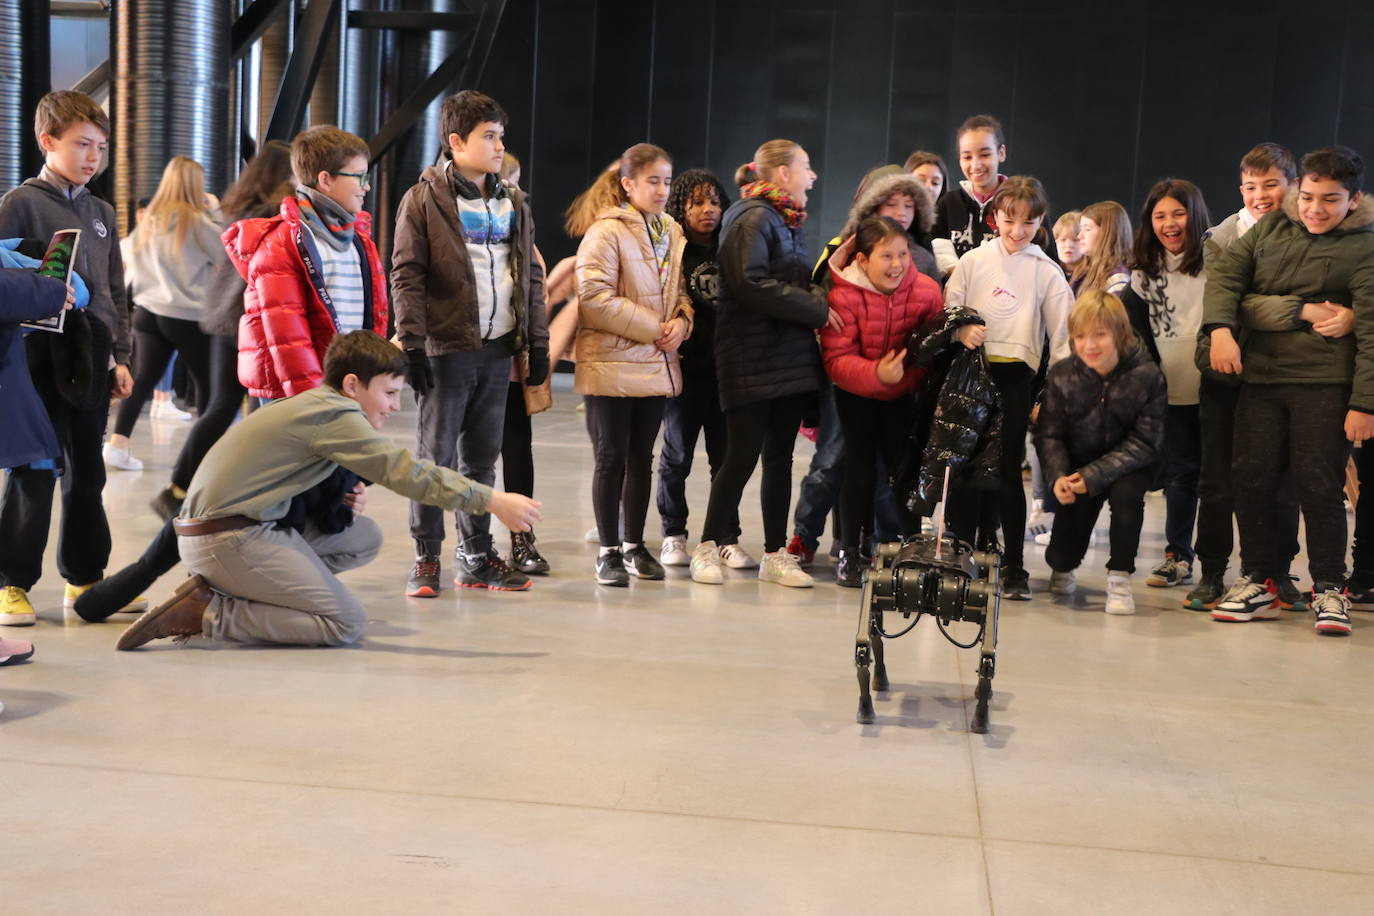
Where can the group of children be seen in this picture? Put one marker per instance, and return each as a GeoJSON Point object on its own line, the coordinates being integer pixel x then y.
{"type": "Point", "coordinates": [1177, 356]}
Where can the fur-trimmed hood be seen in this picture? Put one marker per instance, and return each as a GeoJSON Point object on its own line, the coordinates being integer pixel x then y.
{"type": "Point", "coordinates": [879, 190]}
{"type": "Point", "coordinates": [1361, 219]}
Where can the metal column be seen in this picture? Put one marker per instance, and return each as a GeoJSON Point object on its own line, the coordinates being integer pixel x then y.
{"type": "Point", "coordinates": [25, 68]}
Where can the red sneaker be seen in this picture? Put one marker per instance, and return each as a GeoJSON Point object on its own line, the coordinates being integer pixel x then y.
{"type": "Point", "coordinates": [805, 555]}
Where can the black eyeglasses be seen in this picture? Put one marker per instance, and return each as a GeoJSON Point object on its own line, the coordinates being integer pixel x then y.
{"type": "Point", "coordinates": [363, 180]}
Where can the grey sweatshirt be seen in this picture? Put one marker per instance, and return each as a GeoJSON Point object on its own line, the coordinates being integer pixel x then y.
{"type": "Point", "coordinates": [290, 445]}
{"type": "Point", "coordinates": [170, 280]}
{"type": "Point", "coordinates": [46, 204]}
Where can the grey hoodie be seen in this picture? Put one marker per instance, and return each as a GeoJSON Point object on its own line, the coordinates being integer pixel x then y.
{"type": "Point", "coordinates": [46, 204]}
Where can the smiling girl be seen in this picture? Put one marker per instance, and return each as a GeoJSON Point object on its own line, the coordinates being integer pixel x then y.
{"type": "Point", "coordinates": [1165, 298]}
{"type": "Point", "coordinates": [1104, 236]}
{"type": "Point", "coordinates": [633, 314]}
{"type": "Point", "coordinates": [881, 298]}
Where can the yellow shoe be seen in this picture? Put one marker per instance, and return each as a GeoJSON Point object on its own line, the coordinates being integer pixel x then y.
{"type": "Point", "coordinates": [15, 610]}
{"type": "Point", "coordinates": [137, 606]}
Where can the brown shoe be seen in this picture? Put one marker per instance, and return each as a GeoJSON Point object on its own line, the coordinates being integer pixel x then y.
{"type": "Point", "coordinates": [183, 614]}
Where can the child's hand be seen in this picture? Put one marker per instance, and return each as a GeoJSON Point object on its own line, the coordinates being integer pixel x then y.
{"type": "Point", "coordinates": [123, 381]}
{"type": "Point", "coordinates": [1225, 352]}
{"type": "Point", "coordinates": [1339, 322]}
{"type": "Point", "coordinates": [1078, 484]}
{"type": "Point", "coordinates": [835, 322]}
{"type": "Point", "coordinates": [1063, 491]}
{"type": "Point", "coordinates": [1359, 426]}
{"type": "Point", "coordinates": [891, 367]}
{"type": "Point", "coordinates": [514, 510]}
{"type": "Point", "coordinates": [71, 299]}
{"type": "Point", "coordinates": [673, 333]}
{"type": "Point", "coordinates": [1035, 415]}
{"type": "Point", "coordinates": [356, 499]}
{"type": "Point", "coordinates": [973, 335]}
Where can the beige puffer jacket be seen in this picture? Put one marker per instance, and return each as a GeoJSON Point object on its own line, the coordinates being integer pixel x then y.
{"type": "Point", "coordinates": [622, 307]}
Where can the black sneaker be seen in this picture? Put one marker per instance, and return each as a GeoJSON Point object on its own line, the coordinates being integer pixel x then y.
{"type": "Point", "coordinates": [610, 569]}
{"type": "Point", "coordinates": [642, 564]}
{"type": "Point", "coordinates": [1361, 597]}
{"type": "Point", "coordinates": [525, 557]}
{"type": "Point", "coordinates": [489, 571]}
{"type": "Point", "coordinates": [849, 569]}
{"type": "Point", "coordinates": [424, 578]}
{"type": "Point", "coordinates": [166, 504]}
{"type": "Point", "coordinates": [1016, 584]}
{"type": "Point", "coordinates": [1210, 589]}
{"type": "Point", "coordinates": [1290, 596]}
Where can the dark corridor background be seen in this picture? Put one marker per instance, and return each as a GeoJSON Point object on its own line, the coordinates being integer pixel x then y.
{"type": "Point", "coordinates": [1098, 99]}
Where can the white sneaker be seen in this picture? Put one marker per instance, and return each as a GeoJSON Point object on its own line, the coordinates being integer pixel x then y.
{"type": "Point", "coordinates": [166, 410]}
{"type": "Point", "coordinates": [1119, 599]}
{"type": "Point", "coordinates": [706, 564]}
{"type": "Point", "coordinates": [1063, 583]}
{"type": "Point", "coordinates": [782, 567]}
{"type": "Point", "coordinates": [1039, 522]}
{"type": "Point", "coordinates": [735, 557]}
{"type": "Point", "coordinates": [120, 459]}
{"type": "Point", "coordinates": [1043, 539]}
{"type": "Point", "coordinates": [674, 552]}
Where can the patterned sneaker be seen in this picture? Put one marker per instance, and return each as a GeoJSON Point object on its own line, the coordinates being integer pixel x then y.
{"type": "Point", "coordinates": [424, 578]}
{"type": "Point", "coordinates": [1333, 613]}
{"type": "Point", "coordinates": [640, 563]}
{"type": "Point", "coordinates": [15, 610]}
{"type": "Point", "coordinates": [784, 569]}
{"type": "Point", "coordinates": [526, 557]}
{"type": "Point", "coordinates": [1039, 521]}
{"type": "Point", "coordinates": [1291, 597]}
{"type": "Point", "coordinates": [1171, 572]}
{"type": "Point", "coordinates": [72, 592]}
{"type": "Point", "coordinates": [1063, 583]}
{"type": "Point", "coordinates": [1248, 600]}
{"type": "Point", "coordinates": [735, 557]}
{"type": "Point", "coordinates": [1120, 601]}
{"type": "Point", "coordinates": [674, 551]}
{"type": "Point", "coordinates": [1204, 596]}
{"type": "Point", "coordinates": [610, 569]}
{"type": "Point", "coordinates": [489, 571]}
{"type": "Point", "coordinates": [805, 555]}
{"type": "Point", "coordinates": [706, 564]}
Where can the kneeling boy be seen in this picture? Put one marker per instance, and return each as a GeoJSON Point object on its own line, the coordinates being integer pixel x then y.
{"type": "Point", "coordinates": [255, 582]}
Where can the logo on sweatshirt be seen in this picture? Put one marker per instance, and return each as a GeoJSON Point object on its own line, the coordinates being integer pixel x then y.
{"type": "Point", "coordinates": [99, 227]}
{"type": "Point", "coordinates": [1002, 303]}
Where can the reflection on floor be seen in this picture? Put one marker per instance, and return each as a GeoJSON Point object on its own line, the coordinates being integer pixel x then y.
{"type": "Point", "coordinates": [676, 748]}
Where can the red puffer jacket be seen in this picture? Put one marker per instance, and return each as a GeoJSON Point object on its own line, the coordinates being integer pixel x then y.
{"type": "Point", "coordinates": [286, 325]}
{"type": "Point", "coordinates": [874, 325]}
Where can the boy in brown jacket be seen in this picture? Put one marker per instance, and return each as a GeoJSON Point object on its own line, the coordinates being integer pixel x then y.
{"type": "Point", "coordinates": [468, 294]}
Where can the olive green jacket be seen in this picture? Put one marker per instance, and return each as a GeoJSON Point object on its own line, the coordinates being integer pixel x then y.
{"type": "Point", "coordinates": [1258, 287]}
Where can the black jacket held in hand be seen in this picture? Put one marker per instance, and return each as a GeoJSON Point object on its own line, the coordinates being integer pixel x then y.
{"type": "Point", "coordinates": [1103, 427]}
{"type": "Point", "coordinates": [958, 415]}
{"type": "Point", "coordinates": [765, 327]}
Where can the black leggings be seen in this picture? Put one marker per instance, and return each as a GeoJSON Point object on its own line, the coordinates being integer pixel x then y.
{"type": "Point", "coordinates": [517, 444]}
{"type": "Point", "coordinates": [623, 431]}
{"type": "Point", "coordinates": [156, 338]}
{"type": "Point", "coordinates": [872, 428]}
{"type": "Point", "coordinates": [767, 428]}
{"type": "Point", "coordinates": [216, 416]}
{"type": "Point", "coordinates": [973, 515]}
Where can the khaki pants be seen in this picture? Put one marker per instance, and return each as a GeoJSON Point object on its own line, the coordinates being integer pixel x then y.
{"type": "Point", "coordinates": [278, 586]}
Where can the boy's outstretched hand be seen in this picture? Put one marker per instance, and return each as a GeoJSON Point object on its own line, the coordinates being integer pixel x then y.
{"type": "Point", "coordinates": [514, 510]}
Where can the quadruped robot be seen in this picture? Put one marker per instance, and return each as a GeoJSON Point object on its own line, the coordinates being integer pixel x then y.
{"type": "Point", "coordinates": [937, 576]}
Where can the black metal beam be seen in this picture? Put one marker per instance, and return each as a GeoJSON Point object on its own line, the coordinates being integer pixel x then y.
{"type": "Point", "coordinates": [487, 22]}
{"type": "Point", "coordinates": [410, 20]}
{"type": "Point", "coordinates": [317, 26]}
{"type": "Point", "coordinates": [91, 83]}
{"type": "Point", "coordinates": [409, 111]}
{"type": "Point", "coordinates": [250, 25]}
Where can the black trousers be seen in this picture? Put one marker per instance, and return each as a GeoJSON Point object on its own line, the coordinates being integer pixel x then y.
{"type": "Point", "coordinates": [1362, 550]}
{"type": "Point", "coordinates": [83, 540]}
{"type": "Point", "coordinates": [517, 444]}
{"type": "Point", "coordinates": [1073, 524]}
{"type": "Point", "coordinates": [217, 415]}
{"type": "Point", "coordinates": [768, 429]}
{"type": "Point", "coordinates": [1216, 501]}
{"type": "Point", "coordinates": [1309, 422]}
{"type": "Point", "coordinates": [685, 418]}
{"type": "Point", "coordinates": [156, 339]}
{"type": "Point", "coordinates": [872, 428]}
{"type": "Point", "coordinates": [974, 515]}
{"type": "Point", "coordinates": [623, 431]}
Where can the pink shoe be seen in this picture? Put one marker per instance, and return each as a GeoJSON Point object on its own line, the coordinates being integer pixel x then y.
{"type": "Point", "coordinates": [14, 650]}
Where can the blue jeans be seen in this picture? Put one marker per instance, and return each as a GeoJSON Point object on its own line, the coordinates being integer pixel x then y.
{"type": "Point", "coordinates": [687, 416]}
{"type": "Point", "coordinates": [1183, 462]}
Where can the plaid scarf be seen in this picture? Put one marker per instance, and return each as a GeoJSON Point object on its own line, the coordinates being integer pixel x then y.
{"type": "Point", "coordinates": [327, 219]}
{"type": "Point", "coordinates": [778, 199]}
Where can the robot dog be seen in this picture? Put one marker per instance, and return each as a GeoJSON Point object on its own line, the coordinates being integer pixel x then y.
{"type": "Point", "coordinates": [933, 575]}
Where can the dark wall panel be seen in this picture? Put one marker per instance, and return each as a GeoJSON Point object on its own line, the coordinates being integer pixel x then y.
{"type": "Point", "coordinates": [680, 104]}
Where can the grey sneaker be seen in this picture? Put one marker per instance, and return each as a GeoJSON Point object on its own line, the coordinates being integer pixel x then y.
{"type": "Point", "coordinates": [1171, 572]}
{"type": "Point", "coordinates": [1120, 601]}
{"type": "Point", "coordinates": [1063, 583]}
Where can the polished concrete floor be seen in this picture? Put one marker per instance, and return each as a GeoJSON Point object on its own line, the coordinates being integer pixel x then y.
{"type": "Point", "coordinates": [677, 748]}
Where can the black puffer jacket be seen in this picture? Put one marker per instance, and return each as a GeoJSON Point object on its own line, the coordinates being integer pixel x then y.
{"type": "Point", "coordinates": [958, 417]}
{"type": "Point", "coordinates": [1102, 427]}
{"type": "Point", "coordinates": [765, 327]}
